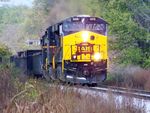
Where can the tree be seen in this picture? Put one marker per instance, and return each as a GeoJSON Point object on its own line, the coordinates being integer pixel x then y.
{"type": "Point", "coordinates": [132, 39]}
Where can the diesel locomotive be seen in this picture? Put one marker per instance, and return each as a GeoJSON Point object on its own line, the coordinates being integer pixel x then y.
{"type": "Point", "coordinates": [75, 50]}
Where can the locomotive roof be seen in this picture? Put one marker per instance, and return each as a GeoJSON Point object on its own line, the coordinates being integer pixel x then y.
{"type": "Point", "coordinates": [80, 16]}
{"type": "Point", "coordinates": [85, 16]}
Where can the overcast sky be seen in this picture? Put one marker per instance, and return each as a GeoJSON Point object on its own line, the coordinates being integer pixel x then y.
{"type": "Point", "coordinates": [16, 2]}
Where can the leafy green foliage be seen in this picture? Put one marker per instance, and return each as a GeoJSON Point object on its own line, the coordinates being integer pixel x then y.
{"type": "Point", "coordinates": [11, 15]}
{"type": "Point", "coordinates": [4, 51]}
{"type": "Point", "coordinates": [11, 23]}
{"type": "Point", "coordinates": [131, 31]}
{"type": "Point", "coordinates": [129, 23]}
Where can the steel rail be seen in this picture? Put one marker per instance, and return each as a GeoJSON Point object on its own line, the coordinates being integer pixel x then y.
{"type": "Point", "coordinates": [122, 91]}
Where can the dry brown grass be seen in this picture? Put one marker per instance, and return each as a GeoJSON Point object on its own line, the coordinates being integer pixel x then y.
{"type": "Point", "coordinates": [130, 77]}
{"type": "Point", "coordinates": [36, 96]}
{"type": "Point", "coordinates": [56, 100]}
{"type": "Point", "coordinates": [141, 78]}
{"type": "Point", "coordinates": [7, 89]}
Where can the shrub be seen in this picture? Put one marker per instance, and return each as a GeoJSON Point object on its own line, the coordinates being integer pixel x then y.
{"type": "Point", "coordinates": [7, 87]}
{"type": "Point", "coordinates": [131, 76]}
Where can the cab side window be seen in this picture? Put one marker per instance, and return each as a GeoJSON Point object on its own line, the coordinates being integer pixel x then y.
{"type": "Point", "coordinates": [54, 35]}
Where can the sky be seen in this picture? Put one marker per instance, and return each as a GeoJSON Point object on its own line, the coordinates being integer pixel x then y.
{"type": "Point", "coordinates": [16, 2]}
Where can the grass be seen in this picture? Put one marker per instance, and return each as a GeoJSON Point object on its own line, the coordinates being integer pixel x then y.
{"type": "Point", "coordinates": [36, 96]}
{"type": "Point", "coordinates": [7, 87]}
{"type": "Point", "coordinates": [55, 100]}
{"type": "Point", "coordinates": [130, 77]}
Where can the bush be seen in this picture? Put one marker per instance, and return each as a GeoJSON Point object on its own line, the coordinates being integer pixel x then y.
{"type": "Point", "coordinates": [4, 54]}
{"type": "Point", "coordinates": [131, 76]}
{"type": "Point", "coordinates": [4, 50]}
{"type": "Point", "coordinates": [10, 84]}
{"type": "Point", "coordinates": [7, 87]}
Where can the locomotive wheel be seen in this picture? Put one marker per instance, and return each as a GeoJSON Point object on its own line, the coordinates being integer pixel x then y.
{"type": "Point", "coordinates": [104, 76]}
{"type": "Point", "coordinates": [52, 74]}
{"type": "Point", "coordinates": [101, 78]}
{"type": "Point", "coordinates": [59, 73]}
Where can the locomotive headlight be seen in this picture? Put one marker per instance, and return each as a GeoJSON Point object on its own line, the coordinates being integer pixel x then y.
{"type": "Point", "coordinates": [74, 57]}
{"type": "Point", "coordinates": [85, 36]}
{"type": "Point", "coordinates": [97, 56]}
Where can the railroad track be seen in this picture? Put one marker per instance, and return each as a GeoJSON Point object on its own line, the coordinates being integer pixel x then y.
{"type": "Point", "coordinates": [141, 94]}
{"type": "Point", "coordinates": [139, 97]}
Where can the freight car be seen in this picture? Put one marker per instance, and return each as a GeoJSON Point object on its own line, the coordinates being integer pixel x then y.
{"type": "Point", "coordinates": [75, 50]}
{"type": "Point", "coordinates": [29, 62]}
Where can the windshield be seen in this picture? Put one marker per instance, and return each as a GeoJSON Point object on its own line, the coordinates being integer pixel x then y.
{"type": "Point", "coordinates": [71, 27]}
{"type": "Point", "coordinates": [94, 27]}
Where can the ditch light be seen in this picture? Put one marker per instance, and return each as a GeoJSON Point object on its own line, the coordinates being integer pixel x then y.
{"type": "Point", "coordinates": [97, 56]}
